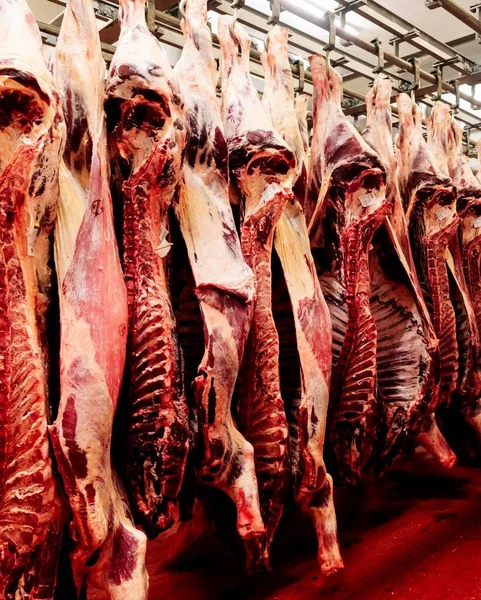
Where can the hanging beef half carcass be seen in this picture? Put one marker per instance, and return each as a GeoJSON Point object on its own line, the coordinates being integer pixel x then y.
{"type": "Point", "coordinates": [407, 351]}
{"type": "Point", "coordinates": [314, 488]}
{"type": "Point", "coordinates": [31, 139]}
{"type": "Point", "coordinates": [429, 202]}
{"type": "Point", "coordinates": [147, 138]}
{"type": "Point", "coordinates": [93, 314]}
{"type": "Point", "coordinates": [263, 168]}
{"type": "Point", "coordinates": [224, 282]}
{"type": "Point", "coordinates": [442, 142]}
{"type": "Point", "coordinates": [468, 206]}
{"type": "Point", "coordinates": [347, 188]}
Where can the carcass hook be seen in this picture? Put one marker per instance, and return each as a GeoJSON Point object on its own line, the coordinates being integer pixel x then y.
{"type": "Point", "coordinates": [438, 74]}
{"type": "Point", "coordinates": [331, 44]}
{"type": "Point", "coordinates": [467, 131]}
{"type": "Point", "coordinates": [182, 4]}
{"type": "Point", "coordinates": [302, 76]}
{"type": "Point", "coordinates": [273, 19]}
{"type": "Point", "coordinates": [455, 84]}
{"type": "Point", "coordinates": [379, 68]}
{"type": "Point", "coordinates": [416, 78]}
{"type": "Point", "coordinates": [236, 5]}
{"type": "Point", "coordinates": [275, 15]}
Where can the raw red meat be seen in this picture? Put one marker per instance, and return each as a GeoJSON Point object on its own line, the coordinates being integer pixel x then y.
{"type": "Point", "coordinates": [407, 354]}
{"type": "Point", "coordinates": [31, 136]}
{"type": "Point", "coordinates": [263, 168]}
{"type": "Point", "coordinates": [302, 101]}
{"type": "Point", "coordinates": [429, 202]}
{"type": "Point", "coordinates": [108, 550]}
{"type": "Point", "coordinates": [347, 188]}
{"type": "Point", "coordinates": [448, 153]}
{"type": "Point", "coordinates": [147, 137]}
{"type": "Point", "coordinates": [314, 487]}
{"type": "Point", "coordinates": [469, 209]}
{"type": "Point", "coordinates": [224, 282]}
{"type": "Point", "coordinates": [468, 206]}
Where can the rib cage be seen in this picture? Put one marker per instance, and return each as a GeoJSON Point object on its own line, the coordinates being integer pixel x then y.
{"type": "Point", "coordinates": [261, 412]}
{"type": "Point", "coordinates": [347, 189]}
{"type": "Point", "coordinates": [407, 386]}
{"type": "Point", "coordinates": [262, 166]}
{"type": "Point", "coordinates": [31, 137]}
{"type": "Point", "coordinates": [224, 283]}
{"type": "Point", "coordinates": [147, 136]}
{"type": "Point", "coordinates": [428, 192]}
{"type": "Point", "coordinates": [404, 364]}
{"type": "Point", "coordinates": [311, 316]}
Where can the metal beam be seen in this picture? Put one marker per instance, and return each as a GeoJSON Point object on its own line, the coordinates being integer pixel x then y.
{"type": "Point", "coordinates": [383, 17]}
{"type": "Point", "coordinates": [323, 22]}
{"type": "Point", "coordinates": [301, 41]}
{"type": "Point", "coordinates": [457, 11]}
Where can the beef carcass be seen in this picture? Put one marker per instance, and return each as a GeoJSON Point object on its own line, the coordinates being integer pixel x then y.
{"type": "Point", "coordinates": [468, 206]}
{"type": "Point", "coordinates": [407, 353]}
{"type": "Point", "coordinates": [448, 153]}
{"type": "Point", "coordinates": [147, 132]}
{"type": "Point", "coordinates": [108, 550]}
{"type": "Point", "coordinates": [224, 282]}
{"type": "Point", "coordinates": [31, 139]}
{"type": "Point", "coordinates": [429, 203]}
{"type": "Point", "coordinates": [347, 190]}
{"type": "Point", "coordinates": [314, 487]}
{"type": "Point", "coordinates": [263, 168]}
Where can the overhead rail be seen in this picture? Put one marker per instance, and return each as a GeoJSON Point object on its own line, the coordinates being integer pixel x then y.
{"type": "Point", "coordinates": [404, 31]}
{"type": "Point", "coordinates": [166, 27]}
{"type": "Point", "coordinates": [458, 12]}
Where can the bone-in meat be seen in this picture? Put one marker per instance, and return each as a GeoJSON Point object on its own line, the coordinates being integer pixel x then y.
{"type": "Point", "coordinates": [407, 352]}
{"type": "Point", "coordinates": [108, 550]}
{"type": "Point", "coordinates": [314, 487]}
{"type": "Point", "coordinates": [147, 132]}
{"type": "Point", "coordinates": [347, 190]}
{"type": "Point", "coordinates": [224, 282]}
{"type": "Point", "coordinates": [31, 138]}
{"type": "Point", "coordinates": [263, 168]}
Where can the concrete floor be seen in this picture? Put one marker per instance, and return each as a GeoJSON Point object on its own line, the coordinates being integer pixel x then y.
{"type": "Point", "coordinates": [415, 535]}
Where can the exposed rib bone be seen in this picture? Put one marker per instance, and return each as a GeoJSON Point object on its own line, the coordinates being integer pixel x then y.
{"type": "Point", "coordinates": [147, 136]}
{"type": "Point", "coordinates": [31, 139]}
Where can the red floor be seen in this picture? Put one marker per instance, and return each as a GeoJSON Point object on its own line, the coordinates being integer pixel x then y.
{"type": "Point", "coordinates": [414, 535]}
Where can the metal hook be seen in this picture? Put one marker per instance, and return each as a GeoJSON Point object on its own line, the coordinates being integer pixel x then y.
{"type": "Point", "coordinates": [455, 84]}
{"type": "Point", "coordinates": [331, 44]}
{"type": "Point", "coordinates": [273, 20]}
{"type": "Point", "coordinates": [473, 94]}
{"type": "Point", "coordinates": [236, 5]}
{"type": "Point", "coordinates": [266, 41]}
{"type": "Point", "coordinates": [467, 131]}
{"type": "Point", "coordinates": [302, 76]}
{"type": "Point", "coordinates": [232, 25]}
{"type": "Point", "coordinates": [416, 78]}
{"type": "Point", "coordinates": [438, 74]}
{"type": "Point", "coordinates": [275, 15]}
{"type": "Point", "coordinates": [182, 4]}
{"type": "Point", "coordinates": [379, 68]}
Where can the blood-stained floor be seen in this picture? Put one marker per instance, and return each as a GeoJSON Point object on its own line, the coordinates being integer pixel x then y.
{"type": "Point", "coordinates": [414, 535]}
